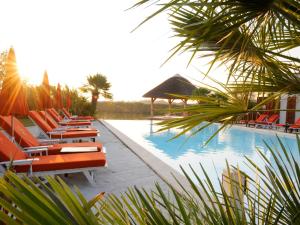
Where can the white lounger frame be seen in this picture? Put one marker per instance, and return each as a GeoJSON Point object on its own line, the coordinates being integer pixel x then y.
{"type": "Point", "coordinates": [74, 126]}
{"type": "Point", "coordinates": [72, 118]}
{"type": "Point", "coordinates": [93, 138]}
{"type": "Point", "coordinates": [89, 172]}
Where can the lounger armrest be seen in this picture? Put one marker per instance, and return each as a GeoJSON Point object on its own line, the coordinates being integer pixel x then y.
{"type": "Point", "coordinates": [37, 147]}
{"type": "Point", "coordinates": [19, 162]}
{"type": "Point", "coordinates": [57, 132]}
{"type": "Point", "coordinates": [49, 141]}
{"type": "Point", "coordinates": [61, 128]}
{"type": "Point", "coordinates": [34, 151]}
{"type": "Point", "coordinates": [64, 121]}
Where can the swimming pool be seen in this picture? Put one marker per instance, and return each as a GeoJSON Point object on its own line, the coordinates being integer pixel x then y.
{"type": "Point", "coordinates": [232, 144]}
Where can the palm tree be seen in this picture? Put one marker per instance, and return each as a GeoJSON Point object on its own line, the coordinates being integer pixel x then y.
{"type": "Point", "coordinates": [98, 86]}
{"type": "Point", "coordinates": [255, 40]}
{"type": "Point", "coordinates": [200, 92]}
{"type": "Point", "coordinates": [3, 59]}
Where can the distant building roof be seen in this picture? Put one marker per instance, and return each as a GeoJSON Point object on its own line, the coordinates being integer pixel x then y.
{"type": "Point", "coordinates": [176, 85]}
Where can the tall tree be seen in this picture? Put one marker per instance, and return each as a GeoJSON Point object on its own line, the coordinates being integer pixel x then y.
{"type": "Point", "coordinates": [3, 59]}
{"type": "Point", "coordinates": [98, 86]}
{"type": "Point", "coordinates": [200, 92]}
{"type": "Point", "coordinates": [256, 40]}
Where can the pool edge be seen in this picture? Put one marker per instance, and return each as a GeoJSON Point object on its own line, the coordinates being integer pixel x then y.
{"type": "Point", "coordinates": [163, 170]}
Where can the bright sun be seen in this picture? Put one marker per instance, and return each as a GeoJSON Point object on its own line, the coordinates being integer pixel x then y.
{"type": "Point", "coordinates": [29, 73]}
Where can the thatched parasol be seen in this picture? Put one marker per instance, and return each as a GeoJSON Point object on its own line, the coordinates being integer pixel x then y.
{"type": "Point", "coordinates": [171, 89]}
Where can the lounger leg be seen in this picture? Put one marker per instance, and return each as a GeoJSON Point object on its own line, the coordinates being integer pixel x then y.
{"type": "Point", "coordinates": [93, 139]}
{"type": "Point", "coordinates": [90, 176]}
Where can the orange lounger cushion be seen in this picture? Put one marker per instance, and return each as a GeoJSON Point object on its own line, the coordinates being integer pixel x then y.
{"type": "Point", "coordinates": [53, 124]}
{"type": "Point", "coordinates": [76, 123]}
{"type": "Point", "coordinates": [295, 126]}
{"type": "Point", "coordinates": [57, 118]}
{"type": "Point", "coordinates": [77, 134]}
{"type": "Point", "coordinates": [9, 151]}
{"type": "Point", "coordinates": [40, 122]}
{"type": "Point", "coordinates": [55, 149]}
{"type": "Point", "coordinates": [83, 118]}
{"type": "Point", "coordinates": [22, 136]}
{"type": "Point", "coordinates": [25, 139]}
{"type": "Point", "coordinates": [272, 119]}
{"type": "Point", "coordinates": [65, 161]}
{"type": "Point", "coordinates": [47, 129]}
{"type": "Point", "coordinates": [66, 112]}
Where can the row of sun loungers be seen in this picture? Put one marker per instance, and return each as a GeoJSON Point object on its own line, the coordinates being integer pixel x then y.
{"type": "Point", "coordinates": [267, 121]}
{"type": "Point", "coordinates": [32, 156]}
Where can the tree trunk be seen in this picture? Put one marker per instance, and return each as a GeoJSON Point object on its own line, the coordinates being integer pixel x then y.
{"type": "Point", "coordinates": [94, 103]}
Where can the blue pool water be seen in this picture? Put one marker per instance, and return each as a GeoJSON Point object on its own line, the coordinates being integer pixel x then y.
{"type": "Point", "coordinates": [233, 145]}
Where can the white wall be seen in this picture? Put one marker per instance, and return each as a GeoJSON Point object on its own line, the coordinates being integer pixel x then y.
{"type": "Point", "coordinates": [297, 114]}
{"type": "Point", "coordinates": [283, 105]}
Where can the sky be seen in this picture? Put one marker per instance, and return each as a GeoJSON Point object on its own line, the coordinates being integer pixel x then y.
{"type": "Point", "coordinates": [72, 39]}
{"type": "Point", "coordinates": [75, 38]}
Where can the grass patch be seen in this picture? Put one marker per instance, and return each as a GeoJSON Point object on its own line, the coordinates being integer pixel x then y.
{"type": "Point", "coordinates": [26, 121]}
{"type": "Point", "coordinates": [131, 110]}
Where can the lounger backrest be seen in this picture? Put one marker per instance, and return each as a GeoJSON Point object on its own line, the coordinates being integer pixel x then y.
{"type": "Point", "coordinates": [9, 150]}
{"type": "Point", "coordinates": [53, 115]}
{"type": "Point", "coordinates": [66, 112]}
{"type": "Point", "coordinates": [35, 116]}
{"type": "Point", "coordinates": [22, 135]}
{"type": "Point", "coordinates": [56, 113]}
{"type": "Point", "coordinates": [262, 117]}
{"type": "Point", "coordinates": [273, 118]}
{"type": "Point", "coordinates": [49, 119]}
{"type": "Point", "coordinates": [297, 121]}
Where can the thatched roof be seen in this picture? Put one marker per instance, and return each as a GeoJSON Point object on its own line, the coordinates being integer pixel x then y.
{"type": "Point", "coordinates": [176, 85]}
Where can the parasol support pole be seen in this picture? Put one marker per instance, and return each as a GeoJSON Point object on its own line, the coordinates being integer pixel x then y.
{"type": "Point", "coordinates": [152, 107]}
{"type": "Point", "coordinates": [170, 101]}
{"type": "Point", "coordinates": [184, 106]}
{"type": "Point", "coordinates": [12, 128]}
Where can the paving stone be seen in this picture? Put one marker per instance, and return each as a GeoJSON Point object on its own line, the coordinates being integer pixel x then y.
{"type": "Point", "coordinates": [124, 169]}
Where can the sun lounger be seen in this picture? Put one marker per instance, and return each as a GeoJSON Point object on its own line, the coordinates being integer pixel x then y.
{"type": "Point", "coordinates": [27, 141]}
{"type": "Point", "coordinates": [75, 117]}
{"type": "Point", "coordinates": [291, 127]}
{"type": "Point", "coordinates": [270, 122]}
{"type": "Point", "coordinates": [63, 122]}
{"type": "Point", "coordinates": [63, 135]}
{"type": "Point", "coordinates": [25, 163]}
{"type": "Point", "coordinates": [261, 118]}
{"type": "Point", "coordinates": [55, 126]}
{"type": "Point", "coordinates": [295, 126]}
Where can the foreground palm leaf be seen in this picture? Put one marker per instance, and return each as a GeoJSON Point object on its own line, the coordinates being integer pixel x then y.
{"type": "Point", "coordinates": [273, 199]}
{"type": "Point", "coordinates": [47, 204]}
{"type": "Point", "coordinates": [253, 39]}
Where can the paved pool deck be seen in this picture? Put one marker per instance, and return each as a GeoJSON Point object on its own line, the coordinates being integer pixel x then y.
{"type": "Point", "coordinates": [125, 169]}
{"type": "Point", "coordinates": [129, 165]}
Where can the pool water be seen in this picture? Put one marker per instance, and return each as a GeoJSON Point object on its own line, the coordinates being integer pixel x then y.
{"type": "Point", "coordinates": [232, 144]}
